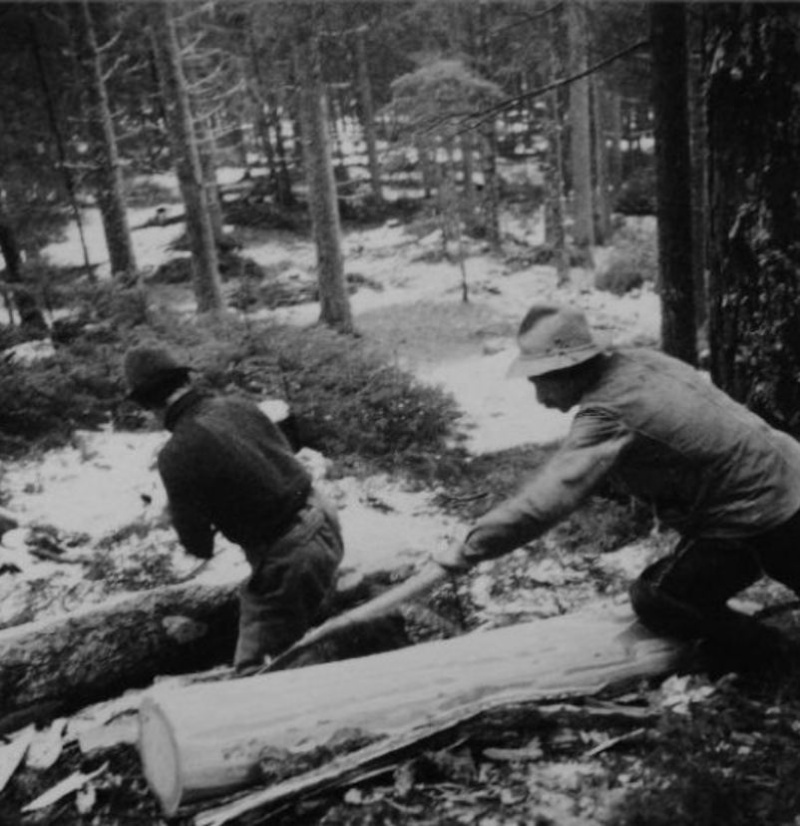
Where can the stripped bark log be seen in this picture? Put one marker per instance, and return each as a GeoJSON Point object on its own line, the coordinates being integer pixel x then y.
{"type": "Point", "coordinates": [189, 751]}
{"type": "Point", "coordinates": [94, 653]}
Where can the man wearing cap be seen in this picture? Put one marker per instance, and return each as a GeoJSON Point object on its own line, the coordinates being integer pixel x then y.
{"type": "Point", "coordinates": [711, 469]}
{"type": "Point", "coordinates": [228, 468]}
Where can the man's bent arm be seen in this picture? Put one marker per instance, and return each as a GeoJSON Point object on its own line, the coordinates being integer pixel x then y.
{"type": "Point", "coordinates": [588, 454]}
{"type": "Point", "coordinates": [194, 529]}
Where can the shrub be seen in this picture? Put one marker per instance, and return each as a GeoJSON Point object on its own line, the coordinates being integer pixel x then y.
{"type": "Point", "coordinates": [348, 401]}
{"type": "Point", "coordinates": [47, 400]}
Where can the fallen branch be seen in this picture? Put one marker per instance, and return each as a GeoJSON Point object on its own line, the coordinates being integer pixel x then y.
{"type": "Point", "coordinates": [630, 736]}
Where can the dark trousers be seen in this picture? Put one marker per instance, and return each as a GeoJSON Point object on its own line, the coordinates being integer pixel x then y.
{"type": "Point", "coordinates": [685, 594]}
{"type": "Point", "coordinates": [291, 580]}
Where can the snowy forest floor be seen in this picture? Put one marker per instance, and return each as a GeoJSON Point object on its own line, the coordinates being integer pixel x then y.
{"type": "Point", "coordinates": [624, 764]}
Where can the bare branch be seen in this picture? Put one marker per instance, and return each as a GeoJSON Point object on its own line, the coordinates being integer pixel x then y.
{"type": "Point", "coordinates": [110, 44]}
{"type": "Point", "coordinates": [109, 72]}
{"type": "Point", "coordinates": [479, 118]}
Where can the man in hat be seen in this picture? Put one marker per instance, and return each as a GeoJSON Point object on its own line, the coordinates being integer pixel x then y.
{"type": "Point", "coordinates": [711, 469]}
{"type": "Point", "coordinates": [228, 468]}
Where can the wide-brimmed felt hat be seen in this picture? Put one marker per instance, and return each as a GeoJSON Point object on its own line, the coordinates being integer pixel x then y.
{"type": "Point", "coordinates": [554, 338]}
{"type": "Point", "coordinates": [151, 372]}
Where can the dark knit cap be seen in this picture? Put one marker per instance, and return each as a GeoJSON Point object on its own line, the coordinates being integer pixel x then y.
{"type": "Point", "coordinates": [152, 374]}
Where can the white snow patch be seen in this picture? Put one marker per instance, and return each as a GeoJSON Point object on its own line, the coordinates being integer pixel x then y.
{"type": "Point", "coordinates": [500, 413]}
{"type": "Point", "coordinates": [95, 486]}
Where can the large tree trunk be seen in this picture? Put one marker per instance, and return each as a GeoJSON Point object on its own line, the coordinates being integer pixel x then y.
{"type": "Point", "coordinates": [108, 185]}
{"type": "Point", "coordinates": [753, 121]}
{"type": "Point", "coordinates": [368, 114]}
{"type": "Point", "coordinates": [698, 151]}
{"type": "Point", "coordinates": [208, 739]}
{"type": "Point", "coordinates": [334, 301]}
{"type": "Point", "coordinates": [207, 287]}
{"type": "Point", "coordinates": [101, 651]}
{"type": "Point", "coordinates": [673, 176]}
{"type": "Point", "coordinates": [580, 130]}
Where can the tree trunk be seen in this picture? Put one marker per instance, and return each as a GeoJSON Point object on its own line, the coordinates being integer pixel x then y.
{"type": "Point", "coordinates": [468, 171]}
{"type": "Point", "coordinates": [603, 218]}
{"type": "Point", "coordinates": [615, 153]}
{"type": "Point", "coordinates": [673, 179]}
{"type": "Point", "coordinates": [580, 130]}
{"type": "Point", "coordinates": [30, 316]}
{"type": "Point", "coordinates": [101, 651]}
{"type": "Point", "coordinates": [554, 184]}
{"type": "Point", "coordinates": [285, 196]}
{"type": "Point", "coordinates": [108, 180]}
{"type": "Point", "coordinates": [207, 151]}
{"type": "Point", "coordinates": [368, 115]}
{"type": "Point", "coordinates": [698, 152]}
{"type": "Point", "coordinates": [207, 287]}
{"type": "Point", "coordinates": [753, 121]}
{"type": "Point", "coordinates": [323, 205]}
{"type": "Point", "coordinates": [189, 752]}
{"type": "Point", "coordinates": [426, 152]}
{"type": "Point", "coordinates": [491, 183]}
{"type": "Point", "coordinates": [554, 210]}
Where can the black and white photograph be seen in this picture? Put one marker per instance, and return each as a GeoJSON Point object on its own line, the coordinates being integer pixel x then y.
{"type": "Point", "coordinates": [399, 413]}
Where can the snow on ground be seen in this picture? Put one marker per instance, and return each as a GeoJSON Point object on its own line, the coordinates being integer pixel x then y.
{"type": "Point", "coordinates": [499, 413]}
{"type": "Point", "coordinates": [151, 245]}
{"type": "Point", "coordinates": [106, 481]}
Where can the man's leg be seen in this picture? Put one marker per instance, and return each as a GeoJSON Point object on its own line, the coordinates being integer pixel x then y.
{"type": "Point", "coordinates": [685, 594]}
{"type": "Point", "coordinates": [779, 553]}
{"type": "Point", "coordinates": [290, 582]}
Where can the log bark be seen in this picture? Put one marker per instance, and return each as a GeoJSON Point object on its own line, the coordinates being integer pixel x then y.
{"type": "Point", "coordinates": [100, 651]}
{"type": "Point", "coordinates": [50, 667]}
{"type": "Point", "coordinates": [190, 752]}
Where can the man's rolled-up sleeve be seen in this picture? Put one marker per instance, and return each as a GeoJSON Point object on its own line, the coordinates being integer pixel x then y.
{"type": "Point", "coordinates": [590, 451]}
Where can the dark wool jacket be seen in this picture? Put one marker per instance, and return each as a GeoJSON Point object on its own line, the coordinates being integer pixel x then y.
{"type": "Point", "coordinates": [227, 467]}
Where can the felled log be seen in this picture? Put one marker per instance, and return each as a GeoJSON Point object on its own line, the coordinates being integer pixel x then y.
{"type": "Point", "coordinates": [52, 666]}
{"type": "Point", "coordinates": [209, 739]}
{"type": "Point", "coordinates": [97, 652]}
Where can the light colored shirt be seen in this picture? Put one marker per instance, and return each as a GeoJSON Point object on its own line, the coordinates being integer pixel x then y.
{"type": "Point", "coordinates": [708, 466]}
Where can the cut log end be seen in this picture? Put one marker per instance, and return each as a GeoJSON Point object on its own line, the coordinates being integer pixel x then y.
{"type": "Point", "coordinates": [160, 756]}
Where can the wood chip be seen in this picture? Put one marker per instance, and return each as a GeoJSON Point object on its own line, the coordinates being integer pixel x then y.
{"type": "Point", "coordinates": [11, 755]}
{"type": "Point", "coordinates": [45, 749]}
{"type": "Point", "coordinates": [67, 786]}
{"type": "Point", "coordinates": [528, 754]}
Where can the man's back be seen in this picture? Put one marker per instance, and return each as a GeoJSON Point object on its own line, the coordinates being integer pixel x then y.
{"type": "Point", "coordinates": [227, 464]}
{"type": "Point", "coordinates": [709, 465]}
